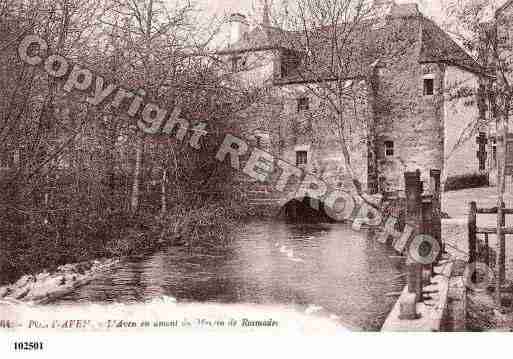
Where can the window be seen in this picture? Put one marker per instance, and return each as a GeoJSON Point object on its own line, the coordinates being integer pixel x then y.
{"type": "Point", "coordinates": [494, 151]}
{"type": "Point", "coordinates": [429, 86]}
{"type": "Point", "coordinates": [284, 69]}
{"type": "Point", "coordinates": [303, 104]}
{"type": "Point", "coordinates": [289, 63]}
{"type": "Point", "coordinates": [225, 107]}
{"type": "Point", "coordinates": [389, 148]}
{"type": "Point", "coordinates": [482, 141]}
{"type": "Point", "coordinates": [301, 158]}
{"type": "Point", "coordinates": [258, 141]}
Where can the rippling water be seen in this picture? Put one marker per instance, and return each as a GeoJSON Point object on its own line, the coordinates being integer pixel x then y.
{"type": "Point", "coordinates": [322, 265]}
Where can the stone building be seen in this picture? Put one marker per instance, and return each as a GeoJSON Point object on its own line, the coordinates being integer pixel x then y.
{"type": "Point", "coordinates": [401, 115]}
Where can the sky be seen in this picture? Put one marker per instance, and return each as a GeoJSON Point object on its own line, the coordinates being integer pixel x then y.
{"type": "Point", "coordinates": [431, 8]}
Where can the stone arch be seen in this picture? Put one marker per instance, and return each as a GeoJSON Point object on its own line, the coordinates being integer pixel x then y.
{"type": "Point", "coordinates": [305, 210]}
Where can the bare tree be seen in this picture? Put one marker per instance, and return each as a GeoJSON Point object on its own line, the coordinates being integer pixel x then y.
{"type": "Point", "coordinates": [487, 40]}
{"type": "Point", "coordinates": [334, 49]}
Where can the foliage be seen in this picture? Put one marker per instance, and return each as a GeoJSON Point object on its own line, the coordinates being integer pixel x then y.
{"type": "Point", "coordinates": [68, 194]}
{"type": "Point", "coordinates": [473, 180]}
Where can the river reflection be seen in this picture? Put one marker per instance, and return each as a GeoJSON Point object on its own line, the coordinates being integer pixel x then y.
{"type": "Point", "coordinates": [322, 265]}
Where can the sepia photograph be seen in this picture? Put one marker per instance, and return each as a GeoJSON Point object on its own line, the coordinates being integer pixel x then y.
{"type": "Point", "coordinates": [255, 166]}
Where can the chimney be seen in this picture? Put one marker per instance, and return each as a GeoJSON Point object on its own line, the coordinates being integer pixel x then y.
{"type": "Point", "coordinates": [266, 17]}
{"type": "Point", "coordinates": [383, 2]}
{"type": "Point", "coordinates": [382, 7]}
{"type": "Point", "coordinates": [239, 26]}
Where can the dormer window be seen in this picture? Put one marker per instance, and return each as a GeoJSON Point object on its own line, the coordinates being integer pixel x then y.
{"type": "Point", "coordinates": [429, 85]}
{"type": "Point", "coordinates": [303, 104]}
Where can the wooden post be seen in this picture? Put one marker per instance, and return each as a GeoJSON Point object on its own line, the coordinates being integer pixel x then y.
{"type": "Point", "coordinates": [501, 255]}
{"type": "Point", "coordinates": [413, 198]}
{"type": "Point", "coordinates": [487, 250]}
{"type": "Point", "coordinates": [437, 208]}
{"type": "Point", "coordinates": [415, 279]}
{"type": "Point", "coordinates": [435, 182]}
{"type": "Point", "coordinates": [427, 216]}
{"type": "Point", "coordinates": [472, 240]}
{"type": "Point", "coordinates": [482, 141]}
{"type": "Point", "coordinates": [413, 191]}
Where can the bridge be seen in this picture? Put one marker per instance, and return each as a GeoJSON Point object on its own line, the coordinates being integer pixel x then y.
{"type": "Point", "coordinates": [263, 198]}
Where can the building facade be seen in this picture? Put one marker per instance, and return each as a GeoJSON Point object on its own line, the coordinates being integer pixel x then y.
{"type": "Point", "coordinates": [403, 112]}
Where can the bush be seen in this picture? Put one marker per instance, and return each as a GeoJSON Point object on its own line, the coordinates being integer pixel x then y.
{"type": "Point", "coordinates": [474, 180]}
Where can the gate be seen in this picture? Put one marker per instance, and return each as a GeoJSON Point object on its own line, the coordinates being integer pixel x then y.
{"type": "Point", "coordinates": [481, 250]}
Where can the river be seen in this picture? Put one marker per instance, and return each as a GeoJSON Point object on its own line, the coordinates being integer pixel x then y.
{"type": "Point", "coordinates": [305, 265]}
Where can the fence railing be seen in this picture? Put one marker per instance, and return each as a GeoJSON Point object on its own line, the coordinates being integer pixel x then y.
{"type": "Point", "coordinates": [483, 253]}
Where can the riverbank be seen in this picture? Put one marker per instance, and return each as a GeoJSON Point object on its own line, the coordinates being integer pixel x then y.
{"type": "Point", "coordinates": [465, 309]}
{"type": "Point", "coordinates": [50, 285]}
{"type": "Point", "coordinates": [31, 245]}
{"type": "Point", "coordinates": [41, 272]}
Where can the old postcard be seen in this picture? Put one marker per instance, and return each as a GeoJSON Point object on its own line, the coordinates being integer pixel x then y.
{"type": "Point", "coordinates": [310, 167]}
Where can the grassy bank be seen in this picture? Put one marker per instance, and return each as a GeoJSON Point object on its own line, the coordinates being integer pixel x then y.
{"type": "Point", "coordinates": [31, 244]}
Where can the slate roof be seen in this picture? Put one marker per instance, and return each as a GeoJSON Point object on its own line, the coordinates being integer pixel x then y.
{"type": "Point", "coordinates": [438, 46]}
{"type": "Point", "coordinates": [405, 29]}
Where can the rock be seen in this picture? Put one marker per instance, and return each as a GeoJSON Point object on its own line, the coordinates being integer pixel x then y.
{"type": "Point", "coordinates": [42, 276]}
{"type": "Point", "coordinates": [23, 281]}
{"type": "Point", "coordinates": [4, 291]}
{"type": "Point", "coordinates": [70, 278]}
{"type": "Point", "coordinates": [19, 293]}
{"type": "Point", "coordinates": [67, 268]}
{"type": "Point", "coordinates": [83, 267]}
{"type": "Point", "coordinates": [45, 288]}
{"type": "Point", "coordinates": [58, 292]}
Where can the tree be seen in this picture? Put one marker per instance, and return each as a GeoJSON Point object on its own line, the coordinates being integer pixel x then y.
{"type": "Point", "coordinates": [486, 41]}
{"type": "Point", "coordinates": [335, 48]}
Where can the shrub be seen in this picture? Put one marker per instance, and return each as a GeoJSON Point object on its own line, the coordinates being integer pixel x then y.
{"type": "Point", "coordinates": [474, 180]}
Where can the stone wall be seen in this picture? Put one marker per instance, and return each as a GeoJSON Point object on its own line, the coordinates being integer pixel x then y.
{"type": "Point", "coordinates": [460, 124]}
{"type": "Point", "coordinates": [317, 131]}
{"type": "Point", "coordinates": [389, 105]}
{"type": "Point", "coordinates": [412, 120]}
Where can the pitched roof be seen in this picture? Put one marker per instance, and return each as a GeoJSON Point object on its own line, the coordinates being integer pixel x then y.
{"type": "Point", "coordinates": [358, 49]}
{"type": "Point", "coordinates": [404, 29]}
{"type": "Point", "coordinates": [261, 37]}
{"type": "Point", "coordinates": [503, 7]}
{"type": "Point", "coordinates": [437, 46]}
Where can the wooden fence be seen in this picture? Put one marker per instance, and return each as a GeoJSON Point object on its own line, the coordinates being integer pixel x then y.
{"type": "Point", "coordinates": [479, 253]}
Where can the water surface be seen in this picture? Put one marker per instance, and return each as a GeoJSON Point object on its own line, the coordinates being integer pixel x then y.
{"type": "Point", "coordinates": [305, 265]}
